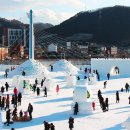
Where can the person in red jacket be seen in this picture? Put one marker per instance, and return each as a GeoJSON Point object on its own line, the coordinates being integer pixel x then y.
{"type": "Point", "coordinates": [15, 91]}
{"type": "Point", "coordinates": [93, 105]}
{"type": "Point", "coordinates": [57, 89]}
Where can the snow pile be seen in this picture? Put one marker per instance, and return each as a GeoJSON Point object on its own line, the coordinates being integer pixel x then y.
{"type": "Point", "coordinates": [64, 65]}
{"type": "Point", "coordinates": [83, 96]}
{"type": "Point", "coordinates": [31, 68]}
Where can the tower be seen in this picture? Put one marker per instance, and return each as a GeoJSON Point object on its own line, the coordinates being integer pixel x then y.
{"type": "Point", "coordinates": [31, 37]}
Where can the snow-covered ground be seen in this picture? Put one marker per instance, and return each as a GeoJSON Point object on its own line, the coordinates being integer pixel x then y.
{"type": "Point", "coordinates": [57, 108]}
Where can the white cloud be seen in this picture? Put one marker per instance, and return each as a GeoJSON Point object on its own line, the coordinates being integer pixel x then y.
{"type": "Point", "coordinates": [50, 15]}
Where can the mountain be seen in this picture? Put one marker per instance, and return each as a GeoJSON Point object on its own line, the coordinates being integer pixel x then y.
{"type": "Point", "coordinates": [42, 26]}
{"type": "Point", "coordinates": [109, 25]}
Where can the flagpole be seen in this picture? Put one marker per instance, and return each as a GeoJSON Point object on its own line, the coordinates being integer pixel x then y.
{"type": "Point", "coordinates": [31, 39]}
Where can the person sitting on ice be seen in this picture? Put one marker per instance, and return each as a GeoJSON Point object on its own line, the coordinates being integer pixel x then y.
{"type": "Point", "coordinates": [76, 108]}
{"type": "Point", "coordinates": [85, 77]}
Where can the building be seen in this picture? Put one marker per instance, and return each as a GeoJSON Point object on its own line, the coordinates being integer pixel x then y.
{"type": "Point", "coordinates": [13, 36]}
{"type": "Point", "coordinates": [114, 50]}
{"type": "Point", "coordinates": [52, 48]}
{"type": "Point", "coordinates": [3, 53]}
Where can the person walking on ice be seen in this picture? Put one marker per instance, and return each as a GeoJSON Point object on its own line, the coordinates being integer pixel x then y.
{"type": "Point", "coordinates": [76, 108]}
{"type": "Point", "coordinates": [117, 97]}
{"type": "Point", "coordinates": [57, 89]}
{"type": "Point", "coordinates": [71, 123]}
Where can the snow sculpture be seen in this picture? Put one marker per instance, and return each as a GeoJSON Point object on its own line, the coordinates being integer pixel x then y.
{"type": "Point", "coordinates": [31, 68]}
{"type": "Point", "coordinates": [70, 79]}
{"type": "Point", "coordinates": [20, 82]}
{"type": "Point", "coordinates": [64, 65]}
{"type": "Point", "coordinates": [92, 79]}
{"type": "Point", "coordinates": [15, 80]}
{"type": "Point", "coordinates": [50, 84]}
{"type": "Point", "coordinates": [83, 96]}
{"type": "Point", "coordinates": [23, 84]}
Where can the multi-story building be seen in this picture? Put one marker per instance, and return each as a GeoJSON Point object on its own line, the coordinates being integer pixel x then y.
{"type": "Point", "coordinates": [14, 36]}
{"type": "Point", "coordinates": [114, 50]}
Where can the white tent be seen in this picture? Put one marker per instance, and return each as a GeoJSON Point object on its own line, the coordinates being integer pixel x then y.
{"type": "Point", "coordinates": [83, 96]}
{"type": "Point", "coordinates": [31, 68]}
{"type": "Point", "coordinates": [66, 66]}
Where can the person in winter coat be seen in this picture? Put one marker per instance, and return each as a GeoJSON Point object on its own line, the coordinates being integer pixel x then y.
{"type": "Point", "coordinates": [2, 89]}
{"type": "Point", "coordinates": [3, 103]}
{"type": "Point", "coordinates": [6, 86]}
{"type": "Point", "coordinates": [15, 100]}
{"type": "Point", "coordinates": [8, 117]}
{"type": "Point", "coordinates": [117, 97]}
{"type": "Point", "coordinates": [76, 108]}
{"type": "Point", "coordinates": [31, 87]}
{"type": "Point", "coordinates": [0, 101]}
{"type": "Point", "coordinates": [103, 105]}
{"type": "Point", "coordinates": [129, 99]}
{"type": "Point", "coordinates": [45, 92]}
{"type": "Point", "coordinates": [14, 114]}
{"type": "Point", "coordinates": [107, 105]}
{"type": "Point", "coordinates": [19, 98]}
{"type": "Point", "coordinates": [30, 110]}
{"type": "Point", "coordinates": [21, 113]}
{"type": "Point", "coordinates": [57, 89]}
{"type": "Point", "coordinates": [93, 106]}
{"type": "Point", "coordinates": [7, 103]}
{"type": "Point", "coordinates": [71, 123]}
{"type": "Point", "coordinates": [127, 87]}
{"type": "Point", "coordinates": [34, 88]}
{"type": "Point", "coordinates": [51, 67]}
{"type": "Point", "coordinates": [15, 91]}
{"type": "Point", "coordinates": [36, 81]}
{"type": "Point", "coordinates": [46, 125]}
{"type": "Point", "coordinates": [52, 127]}
{"type": "Point", "coordinates": [12, 101]}
{"type": "Point", "coordinates": [42, 83]}
{"type": "Point", "coordinates": [38, 91]}
{"type": "Point", "coordinates": [108, 76]}
{"type": "Point", "coordinates": [105, 84]}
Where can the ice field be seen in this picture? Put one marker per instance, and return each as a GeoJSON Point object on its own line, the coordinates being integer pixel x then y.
{"type": "Point", "coordinates": [57, 108]}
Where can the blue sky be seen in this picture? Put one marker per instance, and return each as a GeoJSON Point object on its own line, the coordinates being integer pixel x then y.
{"type": "Point", "coordinates": [52, 11]}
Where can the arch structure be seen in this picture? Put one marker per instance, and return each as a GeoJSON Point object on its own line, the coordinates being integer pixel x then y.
{"type": "Point", "coordinates": [115, 66]}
